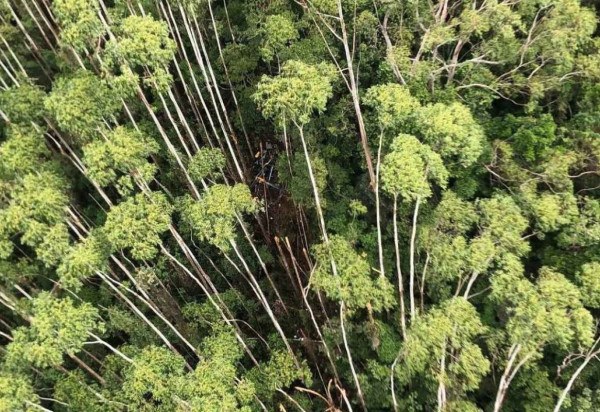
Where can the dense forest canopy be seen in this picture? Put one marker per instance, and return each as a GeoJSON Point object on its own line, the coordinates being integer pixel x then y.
{"type": "Point", "coordinates": [299, 205]}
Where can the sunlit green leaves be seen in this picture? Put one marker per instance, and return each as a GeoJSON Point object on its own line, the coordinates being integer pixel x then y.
{"type": "Point", "coordinates": [57, 326]}
{"type": "Point", "coordinates": [153, 378]}
{"type": "Point", "coordinates": [451, 131]}
{"type": "Point", "coordinates": [122, 151]}
{"type": "Point", "coordinates": [24, 104]}
{"type": "Point", "coordinates": [298, 92]}
{"type": "Point", "coordinates": [17, 393]}
{"type": "Point", "coordinates": [137, 224]}
{"type": "Point", "coordinates": [393, 105]}
{"type": "Point", "coordinates": [278, 31]}
{"type": "Point", "coordinates": [440, 346]}
{"type": "Point", "coordinates": [142, 41]}
{"type": "Point", "coordinates": [408, 168]}
{"type": "Point", "coordinates": [213, 217]}
{"type": "Point", "coordinates": [548, 312]}
{"type": "Point", "coordinates": [37, 211]}
{"type": "Point", "coordinates": [205, 163]}
{"type": "Point", "coordinates": [79, 20]}
{"type": "Point", "coordinates": [589, 280]}
{"type": "Point", "coordinates": [24, 151]}
{"type": "Point", "coordinates": [80, 104]}
{"type": "Point", "coordinates": [82, 261]}
{"type": "Point", "coordinates": [354, 283]}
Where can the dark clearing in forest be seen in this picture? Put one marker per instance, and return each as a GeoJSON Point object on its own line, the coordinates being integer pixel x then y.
{"type": "Point", "coordinates": [299, 205]}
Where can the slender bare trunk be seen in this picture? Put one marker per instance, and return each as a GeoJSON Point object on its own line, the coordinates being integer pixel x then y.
{"type": "Point", "coordinates": [413, 236]}
{"type": "Point", "coordinates": [399, 269]}
{"type": "Point", "coordinates": [355, 96]}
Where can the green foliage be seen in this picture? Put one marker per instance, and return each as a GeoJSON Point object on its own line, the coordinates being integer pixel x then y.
{"type": "Point", "coordinates": [353, 283]}
{"type": "Point", "coordinates": [451, 131]}
{"type": "Point", "coordinates": [156, 380]}
{"type": "Point", "coordinates": [213, 217]}
{"type": "Point", "coordinates": [409, 166]}
{"type": "Point", "coordinates": [82, 261]}
{"type": "Point", "coordinates": [206, 163]}
{"type": "Point", "coordinates": [278, 373]}
{"type": "Point", "coordinates": [22, 151]}
{"type": "Point", "coordinates": [585, 230]}
{"type": "Point", "coordinates": [141, 41]}
{"type": "Point", "coordinates": [548, 312]}
{"type": "Point", "coordinates": [447, 333]}
{"type": "Point", "coordinates": [531, 136]}
{"type": "Point", "coordinates": [137, 223]}
{"type": "Point", "coordinates": [152, 380]}
{"type": "Point", "coordinates": [24, 104]}
{"type": "Point", "coordinates": [551, 211]}
{"type": "Point", "coordinates": [56, 327]}
{"type": "Point", "coordinates": [393, 105]}
{"type": "Point", "coordinates": [79, 21]}
{"type": "Point", "coordinates": [214, 385]}
{"type": "Point", "coordinates": [17, 393]}
{"type": "Point", "coordinates": [80, 103]}
{"type": "Point", "coordinates": [278, 31]}
{"type": "Point", "coordinates": [36, 211]}
{"type": "Point", "coordinates": [589, 280]}
{"type": "Point", "coordinates": [485, 114]}
{"type": "Point", "coordinates": [298, 179]}
{"type": "Point", "coordinates": [298, 92]}
{"type": "Point", "coordinates": [79, 395]}
{"type": "Point", "coordinates": [123, 151]}
{"type": "Point", "coordinates": [505, 223]}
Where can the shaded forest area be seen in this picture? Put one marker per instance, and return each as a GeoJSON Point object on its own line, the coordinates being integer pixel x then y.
{"type": "Point", "coordinates": [299, 205]}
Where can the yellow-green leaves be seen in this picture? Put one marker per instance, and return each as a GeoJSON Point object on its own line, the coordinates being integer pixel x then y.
{"type": "Point", "coordinates": [79, 21]}
{"type": "Point", "coordinates": [504, 222]}
{"type": "Point", "coordinates": [298, 92]}
{"type": "Point", "coordinates": [83, 260]}
{"type": "Point", "coordinates": [353, 283]}
{"type": "Point", "coordinates": [121, 154]}
{"type": "Point", "coordinates": [36, 211]}
{"type": "Point", "coordinates": [548, 312]}
{"type": "Point", "coordinates": [153, 379]}
{"type": "Point", "coordinates": [205, 163]}
{"type": "Point", "coordinates": [57, 326]}
{"type": "Point", "coordinates": [440, 347]}
{"type": "Point", "coordinates": [214, 386]}
{"type": "Point", "coordinates": [585, 230]}
{"type": "Point", "coordinates": [278, 373]}
{"type": "Point", "coordinates": [452, 132]}
{"type": "Point", "coordinates": [408, 168]}
{"type": "Point", "coordinates": [142, 42]}
{"type": "Point", "coordinates": [589, 280]}
{"type": "Point", "coordinates": [213, 217]}
{"type": "Point", "coordinates": [80, 103]}
{"type": "Point", "coordinates": [137, 224]}
{"type": "Point", "coordinates": [551, 211]}
{"type": "Point", "coordinates": [23, 105]}
{"type": "Point", "coordinates": [393, 105]}
{"type": "Point", "coordinates": [23, 151]}
{"type": "Point", "coordinates": [17, 393]}
{"type": "Point", "coordinates": [278, 31]}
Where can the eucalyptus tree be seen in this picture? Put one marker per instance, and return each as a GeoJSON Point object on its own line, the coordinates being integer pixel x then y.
{"type": "Point", "coordinates": [406, 172]}
{"type": "Point", "coordinates": [56, 327]}
{"type": "Point", "coordinates": [549, 312]}
{"type": "Point", "coordinates": [440, 348]}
